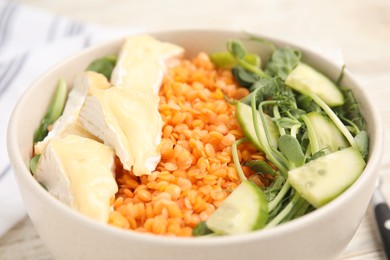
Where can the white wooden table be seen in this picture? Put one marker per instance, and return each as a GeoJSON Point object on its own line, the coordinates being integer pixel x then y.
{"type": "Point", "coordinates": [360, 28]}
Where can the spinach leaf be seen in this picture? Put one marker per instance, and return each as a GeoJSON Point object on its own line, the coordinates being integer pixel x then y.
{"type": "Point", "coordinates": [103, 65]}
{"type": "Point", "coordinates": [282, 62]}
{"type": "Point", "coordinates": [243, 77]}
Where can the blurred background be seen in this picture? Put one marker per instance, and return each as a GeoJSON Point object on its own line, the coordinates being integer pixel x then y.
{"type": "Point", "coordinates": [360, 28]}
{"type": "Point", "coordinates": [357, 31]}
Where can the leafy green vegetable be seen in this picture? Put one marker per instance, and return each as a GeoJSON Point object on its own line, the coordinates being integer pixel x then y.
{"type": "Point", "coordinates": [318, 154]}
{"type": "Point", "coordinates": [33, 163]}
{"type": "Point", "coordinates": [237, 50]}
{"type": "Point", "coordinates": [307, 104]}
{"type": "Point", "coordinates": [290, 147]}
{"type": "Point", "coordinates": [285, 211]}
{"type": "Point", "coordinates": [299, 208]}
{"type": "Point", "coordinates": [267, 88]}
{"type": "Point", "coordinates": [273, 190]}
{"type": "Point", "coordinates": [264, 138]}
{"type": "Point", "coordinates": [245, 78]}
{"type": "Point", "coordinates": [201, 229]}
{"type": "Point", "coordinates": [282, 62]}
{"type": "Point", "coordinates": [103, 65]}
{"type": "Point", "coordinates": [285, 122]}
{"type": "Point", "coordinates": [306, 125]}
{"type": "Point", "coordinates": [350, 109]}
{"type": "Point", "coordinates": [236, 160]}
{"type": "Point", "coordinates": [54, 111]}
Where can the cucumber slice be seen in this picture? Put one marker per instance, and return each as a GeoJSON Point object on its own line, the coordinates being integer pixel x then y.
{"type": "Point", "coordinates": [327, 135]}
{"type": "Point", "coordinates": [307, 80]}
{"type": "Point", "coordinates": [246, 209]}
{"type": "Point", "coordinates": [323, 179]}
{"type": "Point", "coordinates": [244, 118]}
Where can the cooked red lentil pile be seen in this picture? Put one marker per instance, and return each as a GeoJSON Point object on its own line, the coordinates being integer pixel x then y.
{"type": "Point", "coordinates": [196, 172]}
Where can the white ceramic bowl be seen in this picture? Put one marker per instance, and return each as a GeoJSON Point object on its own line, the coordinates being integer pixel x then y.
{"type": "Point", "coordinates": [322, 234]}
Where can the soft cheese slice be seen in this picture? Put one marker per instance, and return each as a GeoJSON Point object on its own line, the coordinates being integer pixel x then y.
{"type": "Point", "coordinates": [80, 173]}
{"type": "Point", "coordinates": [142, 63]}
{"type": "Point", "coordinates": [85, 83]}
{"type": "Point", "coordinates": [128, 121]}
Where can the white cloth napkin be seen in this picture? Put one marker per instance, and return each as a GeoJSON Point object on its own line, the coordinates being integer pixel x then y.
{"type": "Point", "coordinates": [31, 41]}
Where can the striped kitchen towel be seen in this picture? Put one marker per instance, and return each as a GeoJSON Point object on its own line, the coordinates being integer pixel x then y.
{"type": "Point", "coordinates": [31, 41]}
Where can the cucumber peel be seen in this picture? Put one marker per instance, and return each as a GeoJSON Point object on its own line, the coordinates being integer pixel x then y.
{"type": "Point", "coordinates": [244, 210]}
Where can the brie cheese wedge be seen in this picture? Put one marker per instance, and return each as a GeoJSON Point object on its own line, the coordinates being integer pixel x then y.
{"type": "Point", "coordinates": [84, 83]}
{"type": "Point", "coordinates": [142, 63]}
{"type": "Point", "coordinates": [79, 172]}
{"type": "Point", "coordinates": [129, 122]}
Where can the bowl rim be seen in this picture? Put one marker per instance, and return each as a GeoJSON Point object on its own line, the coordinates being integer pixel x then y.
{"type": "Point", "coordinates": [370, 171]}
